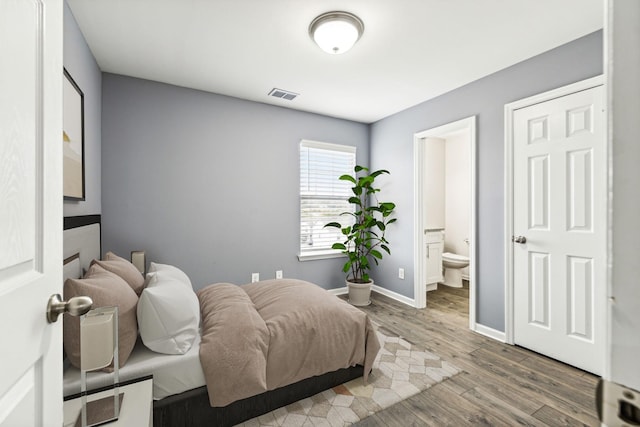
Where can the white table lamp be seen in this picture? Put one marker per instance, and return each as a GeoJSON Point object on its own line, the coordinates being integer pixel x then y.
{"type": "Point", "coordinates": [98, 348]}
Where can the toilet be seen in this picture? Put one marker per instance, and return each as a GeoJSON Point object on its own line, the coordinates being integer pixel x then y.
{"type": "Point", "coordinates": [453, 265]}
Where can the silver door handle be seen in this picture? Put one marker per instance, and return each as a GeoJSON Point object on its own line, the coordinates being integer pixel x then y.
{"type": "Point", "coordinates": [76, 306]}
{"type": "Point", "coordinates": [518, 239]}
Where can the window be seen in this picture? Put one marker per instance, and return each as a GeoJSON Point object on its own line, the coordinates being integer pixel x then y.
{"type": "Point", "coordinates": [323, 196]}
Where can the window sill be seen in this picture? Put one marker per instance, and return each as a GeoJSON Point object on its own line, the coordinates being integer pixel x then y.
{"type": "Point", "coordinates": [320, 255]}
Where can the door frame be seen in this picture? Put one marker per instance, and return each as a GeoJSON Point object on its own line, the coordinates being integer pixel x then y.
{"type": "Point", "coordinates": [419, 286]}
{"type": "Point", "coordinates": [509, 110]}
{"type": "Point", "coordinates": [622, 66]}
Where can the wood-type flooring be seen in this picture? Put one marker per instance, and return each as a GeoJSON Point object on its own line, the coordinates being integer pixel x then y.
{"type": "Point", "coordinates": [501, 385]}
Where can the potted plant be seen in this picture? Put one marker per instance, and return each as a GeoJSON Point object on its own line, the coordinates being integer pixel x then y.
{"type": "Point", "coordinates": [365, 238]}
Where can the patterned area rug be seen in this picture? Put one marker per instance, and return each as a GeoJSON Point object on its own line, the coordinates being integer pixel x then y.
{"type": "Point", "coordinates": [400, 371]}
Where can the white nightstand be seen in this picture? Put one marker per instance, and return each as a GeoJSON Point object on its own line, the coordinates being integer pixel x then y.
{"type": "Point", "coordinates": [136, 409]}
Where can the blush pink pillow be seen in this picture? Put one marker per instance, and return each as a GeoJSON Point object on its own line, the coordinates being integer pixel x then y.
{"type": "Point", "coordinates": [124, 269]}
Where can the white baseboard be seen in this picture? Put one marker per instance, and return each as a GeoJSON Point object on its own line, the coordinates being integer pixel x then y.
{"type": "Point", "coordinates": [339, 291]}
{"type": "Point", "coordinates": [394, 295]}
{"type": "Point", "coordinates": [490, 332]}
{"type": "Point", "coordinates": [432, 287]}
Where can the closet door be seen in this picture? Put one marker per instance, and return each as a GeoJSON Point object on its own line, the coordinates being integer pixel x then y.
{"type": "Point", "coordinates": [559, 223]}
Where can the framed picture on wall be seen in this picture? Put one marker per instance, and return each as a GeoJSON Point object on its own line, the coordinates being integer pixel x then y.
{"type": "Point", "coordinates": [73, 139]}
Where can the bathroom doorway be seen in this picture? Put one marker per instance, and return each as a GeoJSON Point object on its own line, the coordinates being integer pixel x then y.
{"type": "Point", "coordinates": [445, 213]}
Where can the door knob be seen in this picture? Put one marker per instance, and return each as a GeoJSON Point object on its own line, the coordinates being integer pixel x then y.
{"type": "Point", "coordinates": [518, 239]}
{"type": "Point", "coordinates": [76, 306]}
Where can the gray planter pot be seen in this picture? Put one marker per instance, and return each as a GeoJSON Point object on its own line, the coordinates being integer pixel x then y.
{"type": "Point", "coordinates": [359, 293]}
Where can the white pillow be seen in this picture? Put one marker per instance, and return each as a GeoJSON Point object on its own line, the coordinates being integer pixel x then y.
{"type": "Point", "coordinates": [168, 315]}
{"type": "Point", "coordinates": [171, 271]}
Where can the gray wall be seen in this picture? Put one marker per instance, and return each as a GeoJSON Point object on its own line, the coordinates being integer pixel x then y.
{"type": "Point", "coordinates": [210, 183]}
{"type": "Point", "coordinates": [392, 149]}
{"type": "Point", "coordinates": [80, 63]}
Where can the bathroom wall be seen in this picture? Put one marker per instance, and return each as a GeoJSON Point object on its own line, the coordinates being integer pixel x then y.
{"type": "Point", "coordinates": [457, 194]}
{"type": "Point", "coordinates": [434, 185]}
{"type": "Point", "coordinates": [447, 189]}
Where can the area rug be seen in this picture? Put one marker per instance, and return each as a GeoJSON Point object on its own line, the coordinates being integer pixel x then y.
{"type": "Point", "coordinates": [400, 371]}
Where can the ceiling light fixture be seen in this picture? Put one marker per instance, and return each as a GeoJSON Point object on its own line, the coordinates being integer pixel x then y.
{"type": "Point", "coordinates": [336, 32]}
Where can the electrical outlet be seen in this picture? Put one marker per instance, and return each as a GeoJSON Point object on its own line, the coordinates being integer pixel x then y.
{"type": "Point", "coordinates": [255, 277]}
{"type": "Point", "coordinates": [279, 274]}
{"type": "Point", "coordinates": [401, 273]}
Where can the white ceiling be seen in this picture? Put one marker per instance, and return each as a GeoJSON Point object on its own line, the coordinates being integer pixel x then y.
{"type": "Point", "coordinates": [411, 50]}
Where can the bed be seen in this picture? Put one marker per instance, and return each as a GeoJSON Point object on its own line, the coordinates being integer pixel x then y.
{"type": "Point", "coordinates": [275, 357]}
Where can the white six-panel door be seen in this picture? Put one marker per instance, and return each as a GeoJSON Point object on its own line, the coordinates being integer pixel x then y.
{"type": "Point", "coordinates": [30, 211]}
{"type": "Point", "coordinates": [559, 207]}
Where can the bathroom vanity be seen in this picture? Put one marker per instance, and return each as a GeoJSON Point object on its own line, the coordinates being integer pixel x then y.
{"type": "Point", "coordinates": [434, 241]}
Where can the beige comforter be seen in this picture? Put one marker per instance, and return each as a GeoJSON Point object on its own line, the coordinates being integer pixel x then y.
{"type": "Point", "coordinates": [273, 333]}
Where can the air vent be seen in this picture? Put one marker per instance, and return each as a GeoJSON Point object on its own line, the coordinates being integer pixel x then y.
{"type": "Point", "coordinates": [284, 94]}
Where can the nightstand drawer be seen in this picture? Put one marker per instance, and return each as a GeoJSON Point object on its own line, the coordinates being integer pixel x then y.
{"type": "Point", "coordinates": [136, 409]}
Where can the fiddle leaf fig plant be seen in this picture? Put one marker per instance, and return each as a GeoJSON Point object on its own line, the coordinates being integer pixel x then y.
{"type": "Point", "coordinates": [365, 239]}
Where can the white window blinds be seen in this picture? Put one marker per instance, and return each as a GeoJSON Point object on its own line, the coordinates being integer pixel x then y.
{"type": "Point", "coordinates": [322, 195]}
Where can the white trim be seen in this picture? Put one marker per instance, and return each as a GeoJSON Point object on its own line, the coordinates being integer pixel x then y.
{"type": "Point", "coordinates": [419, 287]}
{"type": "Point", "coordinates": [508, 223]}
{"type": "Point", "coordinates": [394, 295]}
{"type": "Point", "coordinates": [473, 234]}
{"type": "Point", "coordinates": [556, 93]}
{"type": "Point", "coordinates": [419, 276]}
{"type": "Point", "coordinates": [609, 35]}
{"type": "Point", "coordinates": [490, 332]}
{"type": "Point", "coordinates": [509, 110]}
{"type": "Point", "coordinates": [307, 143]}
{"type": "Point", "coordinates": [432, 287]}
{"type": "Point", "coordinates": [338, 291]}
{"type": "Point", "coordinates": [311, 256]}
{"type": "Point", "coordinates": [622, 68]}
